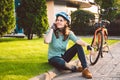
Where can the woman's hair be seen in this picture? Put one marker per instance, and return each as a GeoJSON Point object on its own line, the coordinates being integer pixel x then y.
{"type": "Point", "coordinates": [65, 30]}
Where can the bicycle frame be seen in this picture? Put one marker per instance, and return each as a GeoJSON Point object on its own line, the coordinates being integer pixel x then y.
{"type": "Point", "coordinates": [100, 38]}
{"type": "Point", "coordinates": [104, 32]}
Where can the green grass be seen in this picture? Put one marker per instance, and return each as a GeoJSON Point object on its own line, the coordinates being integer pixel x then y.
{"type": "Point", "coordinates": [21, 59]}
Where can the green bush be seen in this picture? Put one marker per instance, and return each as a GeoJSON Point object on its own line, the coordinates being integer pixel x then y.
{"type": "Point", "coordinates": [81, 22]}
{"type": "Point", "coordinates": [114, 27]}
{"type": "Point", "coordinates": [7, 19]}
{"type": "Point", "coordinates": [32, 17]}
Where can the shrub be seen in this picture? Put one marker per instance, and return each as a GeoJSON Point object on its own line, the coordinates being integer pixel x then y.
{"type": "Point", "coordinates": [80, 22]}
{"type": "Point", "coordinates": [114, 27]}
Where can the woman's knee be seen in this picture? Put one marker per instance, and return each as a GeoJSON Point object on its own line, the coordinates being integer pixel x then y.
{"type": "Point", "coordinates": [58, 63]}
{"type": "Point", "coordinates": [78, 46]}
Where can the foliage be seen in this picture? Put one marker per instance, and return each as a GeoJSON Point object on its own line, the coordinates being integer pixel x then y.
{"type": "Point", "coordinates": [98, 2]}
{"type": "Point", "coordinates": [32, 16]}
{"type": "Point", "coordinates": [114, 27]}
{"type": "Point", "coordinates": [106, 4]}
{"type": "Point", "coordinates": [117, 17]}
{"type": "Point", "coordinates": [7, 19]}
{"type": "Point", "coordinates": [81, 22]}
{"type": "Point", "coordinates": [117, 4]}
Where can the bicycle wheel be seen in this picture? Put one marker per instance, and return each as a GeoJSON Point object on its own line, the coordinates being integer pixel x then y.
{"type": "Point", "coordinates": [97, 46]}
{"type": "Point", "coordinates": [105, 47]}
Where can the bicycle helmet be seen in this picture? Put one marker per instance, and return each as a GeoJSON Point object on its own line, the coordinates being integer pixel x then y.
{"type": "Point", "coordinates": [63, 14]}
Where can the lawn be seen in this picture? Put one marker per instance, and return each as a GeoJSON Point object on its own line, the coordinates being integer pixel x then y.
{"type": "Point", "coordinates": [21, 59]}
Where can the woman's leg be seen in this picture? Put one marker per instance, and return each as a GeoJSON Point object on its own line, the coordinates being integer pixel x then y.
{"type": "Point", "coordinates": [60, 63]}
{"type": "Point", "coordinates": [71, 52]}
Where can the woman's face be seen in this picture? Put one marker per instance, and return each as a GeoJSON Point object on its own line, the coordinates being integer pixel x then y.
{"type": "Point", "coordinates": [60, 22]}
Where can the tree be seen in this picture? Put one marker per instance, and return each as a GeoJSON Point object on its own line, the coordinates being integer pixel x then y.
{"type": "Point", "coordinates": [32, 17]}
{"type": "Point", "coordinates": [7, 19]}
{"type": "Point", "coordinates": [106, 4]}
{"type": "Point", "coordinates": [117, 4]}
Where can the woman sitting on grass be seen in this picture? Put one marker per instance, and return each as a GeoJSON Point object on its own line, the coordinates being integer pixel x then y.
{"type": "Point", "coordinates": [57, 37]}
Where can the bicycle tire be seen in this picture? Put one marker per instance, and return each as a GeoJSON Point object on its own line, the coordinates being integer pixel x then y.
{"type": "Point", "coordinates": [97, 46]}
{"type": "Point", "coordinates": [105, 47]}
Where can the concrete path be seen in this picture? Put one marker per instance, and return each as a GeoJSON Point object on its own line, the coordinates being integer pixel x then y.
{"type": "Point", "coordinates": [106, 68]}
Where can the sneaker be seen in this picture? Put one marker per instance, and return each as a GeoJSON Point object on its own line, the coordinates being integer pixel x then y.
{"type": "Point", "coordinates": [86, 73]}
{"type": "Point", "coordinates": [77, 69]}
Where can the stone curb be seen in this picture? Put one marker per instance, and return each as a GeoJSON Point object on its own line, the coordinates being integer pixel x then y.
{"type": "Point", "coordinates": [53, 73]}
{"type": "Point", "coordinates": [47, 76]}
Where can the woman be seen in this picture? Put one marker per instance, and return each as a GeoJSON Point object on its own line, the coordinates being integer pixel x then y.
{"type": "Point", "coordinates": [57, 37]}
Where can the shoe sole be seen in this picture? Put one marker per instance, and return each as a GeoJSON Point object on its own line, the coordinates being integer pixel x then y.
{"type": "Point", "coordinates": [87, 77]}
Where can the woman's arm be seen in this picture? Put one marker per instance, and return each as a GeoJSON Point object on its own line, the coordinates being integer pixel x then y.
{"type": "Point", "coordinates": [82, 43]}
{"type": "Point", "coordinates": [48, 36]}
{"type": "Point", "coordinates": [79, 41]}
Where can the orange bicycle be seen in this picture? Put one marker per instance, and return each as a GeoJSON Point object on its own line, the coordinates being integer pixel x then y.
{"type": "Point", "coordinates": [99, 42]}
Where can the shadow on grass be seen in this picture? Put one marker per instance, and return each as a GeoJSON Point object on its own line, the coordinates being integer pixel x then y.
{"type": "Point", "coordinates": [12, 39]}
{"type": "Point", "coordinates": [15, 39]}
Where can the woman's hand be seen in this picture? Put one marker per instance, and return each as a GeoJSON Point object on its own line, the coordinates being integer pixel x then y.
{"type": "Point", "coordinates": [89, 47]}
{"type": "Point", "coordinates": [53, 26]}
{"type": "Point", "coordinates": [48, 36]}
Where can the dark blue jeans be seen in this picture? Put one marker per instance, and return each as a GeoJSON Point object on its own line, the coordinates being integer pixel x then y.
{"type": "Point", "coordinates": [62, 62]}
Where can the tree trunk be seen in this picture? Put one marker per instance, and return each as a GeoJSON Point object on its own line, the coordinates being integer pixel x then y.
{"type": "Point", "coordinates": [30, 34]}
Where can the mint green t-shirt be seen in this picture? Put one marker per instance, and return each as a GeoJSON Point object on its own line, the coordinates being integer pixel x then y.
{"type": "Point", "coordinates": [58, 46]}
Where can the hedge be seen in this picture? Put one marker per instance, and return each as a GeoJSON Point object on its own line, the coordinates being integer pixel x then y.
{"type": "Point", "coordinates": [81, 22]}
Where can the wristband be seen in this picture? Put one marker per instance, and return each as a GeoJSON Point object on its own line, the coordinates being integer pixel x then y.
{"type": "Point", "coordinates": [89, 47]}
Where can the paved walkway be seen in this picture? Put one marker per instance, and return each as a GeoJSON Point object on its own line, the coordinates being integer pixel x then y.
{"type": "Point", "coordinates": [107, 68]}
